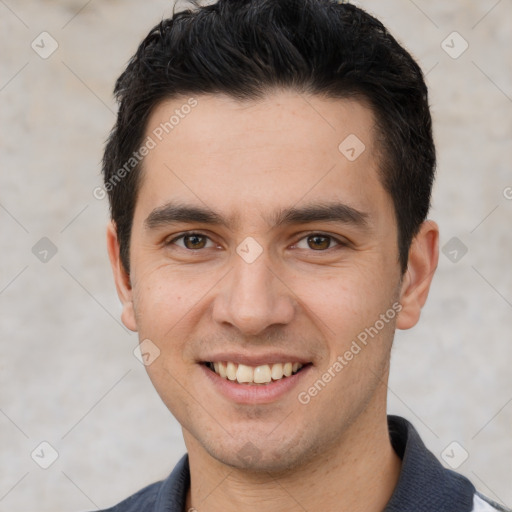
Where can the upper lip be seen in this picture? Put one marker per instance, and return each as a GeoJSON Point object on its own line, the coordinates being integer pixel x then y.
{"type": "Point", "coordinates": [253, 359]}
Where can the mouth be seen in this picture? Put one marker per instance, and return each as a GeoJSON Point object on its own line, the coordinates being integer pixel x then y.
{"type": "Point", "coordinates": [261, 375]}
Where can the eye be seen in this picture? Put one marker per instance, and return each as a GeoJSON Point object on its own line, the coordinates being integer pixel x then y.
{"type": "Point", "coordinates": [192, 241]}
{"type": "Point", "coordinates": [317, 242]}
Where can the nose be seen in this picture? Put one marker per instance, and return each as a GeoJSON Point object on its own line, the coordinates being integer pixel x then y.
{"type": "Point", "coordinates": [253, 297]}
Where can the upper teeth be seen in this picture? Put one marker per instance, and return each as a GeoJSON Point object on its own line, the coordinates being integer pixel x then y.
{"type": "Point", "coordinates": [258, 374]}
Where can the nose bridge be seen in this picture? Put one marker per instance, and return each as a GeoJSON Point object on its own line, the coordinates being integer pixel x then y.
{"type": "Point", "coordinates": [252, 283]}
{"type": "Point", "coordinates": [253, 298]}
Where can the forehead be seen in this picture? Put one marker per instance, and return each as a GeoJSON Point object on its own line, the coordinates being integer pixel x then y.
{"type": "Point", "coordinates": [286, 148]}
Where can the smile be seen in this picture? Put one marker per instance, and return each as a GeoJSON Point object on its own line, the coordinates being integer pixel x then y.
{"type": "Point", "coordinates": [261, 374]}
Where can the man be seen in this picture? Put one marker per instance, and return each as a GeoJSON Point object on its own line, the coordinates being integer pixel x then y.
{"type": "Point", "coordinates": [269, 177]}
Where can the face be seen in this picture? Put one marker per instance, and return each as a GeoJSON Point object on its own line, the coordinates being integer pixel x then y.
{"type": "Point", "coordinates": [256, 243]}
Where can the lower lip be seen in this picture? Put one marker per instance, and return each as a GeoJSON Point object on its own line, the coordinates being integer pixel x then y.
{"type": "Point", "coordinates": [255, 393]}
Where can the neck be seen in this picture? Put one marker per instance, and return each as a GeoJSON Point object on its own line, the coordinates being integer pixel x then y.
{"type": "Point", "coordinates": [358, 474]}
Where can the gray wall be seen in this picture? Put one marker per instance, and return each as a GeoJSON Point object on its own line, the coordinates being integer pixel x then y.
{"type": "Point", "coordinates": [67, 372]}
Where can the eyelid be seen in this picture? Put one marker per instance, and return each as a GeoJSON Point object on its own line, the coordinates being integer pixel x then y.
{"type": "Point", "coordinates": [172, 241]}
{"type": "Point", "coordinates": [339, 241]}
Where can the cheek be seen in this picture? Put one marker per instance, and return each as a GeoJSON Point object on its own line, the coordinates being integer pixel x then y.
{"type": "Point", "coordinates": [343, 300]}
{"type": "Point", "coordinates": [159, 301]}
{"type": "Point", "coordinates": [167, 300]}
{"type": "Point", "coordinates": [167, 305]}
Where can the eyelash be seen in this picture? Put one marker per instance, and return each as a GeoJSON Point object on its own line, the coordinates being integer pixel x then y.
{"type": "Point", "coordinates": [183, 235]}
{"type": "Point", "coordinates": [337, 241]}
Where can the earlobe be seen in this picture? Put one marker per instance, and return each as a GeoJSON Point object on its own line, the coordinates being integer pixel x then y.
{"type": "Point", "coordinates": [422, 263]}
{"type": "Point", "coordinates": [121, 279]}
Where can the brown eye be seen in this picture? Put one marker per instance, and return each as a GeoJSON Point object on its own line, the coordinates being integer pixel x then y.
{"type": "Point", "coordinates": [194, 241]}
{"type": "Point", "coordinates": [319, 242]}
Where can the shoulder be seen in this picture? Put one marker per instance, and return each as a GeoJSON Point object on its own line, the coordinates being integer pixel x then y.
{"type": "Point", "coordinates": [169, 494]}
{"type": "Point", "coordinates": [483, 504]}
{"type": "Point", "coordinates": [142, 501]}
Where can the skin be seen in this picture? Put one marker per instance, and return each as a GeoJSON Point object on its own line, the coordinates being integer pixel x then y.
{"type": "Point", "coordinates": [305, 296]}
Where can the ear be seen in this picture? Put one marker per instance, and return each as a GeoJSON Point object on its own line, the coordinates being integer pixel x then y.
{"type": "Point", "coordinates": [121, 278]}
{"type": "Point", "coordinates": [422, 263]}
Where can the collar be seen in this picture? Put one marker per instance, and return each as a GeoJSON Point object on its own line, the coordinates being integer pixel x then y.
{"type": "Point", "coordinates": [424, 484]}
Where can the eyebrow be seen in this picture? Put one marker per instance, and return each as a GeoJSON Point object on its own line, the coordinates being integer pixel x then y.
{"type": "Point", "coordinates": [322, 212]}
{"type": "Point", "coordinates": [171, 213]}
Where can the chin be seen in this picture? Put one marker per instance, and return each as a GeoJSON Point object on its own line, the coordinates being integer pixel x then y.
{"type": "Point", "coordinates": [262, 463]}
{"type": "Point", "coordinates": [264, 457]}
